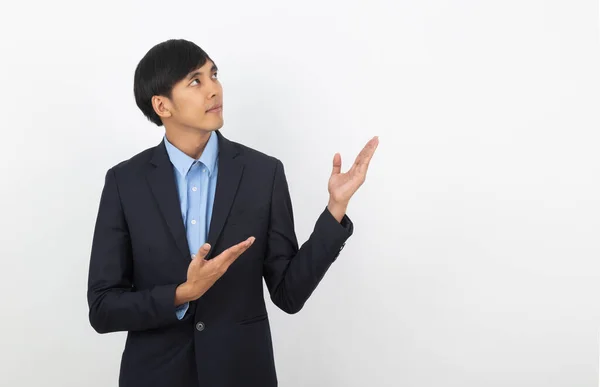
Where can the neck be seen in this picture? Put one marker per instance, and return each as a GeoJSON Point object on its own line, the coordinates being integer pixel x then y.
{"type": "Point", "coordinates": [190, 143]}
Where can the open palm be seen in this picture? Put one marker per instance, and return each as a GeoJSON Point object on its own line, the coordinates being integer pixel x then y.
{"type": "Point", "coordinates": [343, 185]}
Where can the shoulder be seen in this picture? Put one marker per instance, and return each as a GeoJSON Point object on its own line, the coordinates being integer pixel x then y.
{"type": "Point", "coordinates": [255, 157]}
{"type": "Point", "coordinates": [134, 165]}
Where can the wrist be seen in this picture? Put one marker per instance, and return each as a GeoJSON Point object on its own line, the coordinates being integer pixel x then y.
{"type": "Point", "coordinates": [337, 209]}
{"type": "Point", "coordinates": [184, 293]}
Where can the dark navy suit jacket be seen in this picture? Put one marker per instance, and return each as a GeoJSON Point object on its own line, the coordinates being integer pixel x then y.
{"type": "Point", "coordinates": [140, 255]}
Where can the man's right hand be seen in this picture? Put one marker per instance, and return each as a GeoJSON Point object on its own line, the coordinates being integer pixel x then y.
{"type": "Point", "coordinates": [202, 274]}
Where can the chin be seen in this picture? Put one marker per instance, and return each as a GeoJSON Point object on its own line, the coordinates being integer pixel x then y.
{"type": "Point", "coordinates": [219, 125]}
{"type": "Point", "coordinates": [212, 128]}
{"type": "Point", "coordinates": [209, 125]}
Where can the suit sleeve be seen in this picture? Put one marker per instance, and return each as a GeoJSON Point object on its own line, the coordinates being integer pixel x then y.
{"type": "Point", "coordinates": [292, 273]}
{"type": "Point", "coordinates": [114, 304]}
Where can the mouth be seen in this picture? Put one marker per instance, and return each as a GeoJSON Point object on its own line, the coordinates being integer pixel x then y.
{"type": "Point", "coordinates": [215, 109]}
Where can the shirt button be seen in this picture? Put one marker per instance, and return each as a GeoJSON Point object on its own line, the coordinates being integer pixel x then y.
{"type": "Point", "coordinates": [200, 326]}
{"type": "Point", "coordinates": [194, 189]}
{"type": "Point", "coordinates": [193, 221]}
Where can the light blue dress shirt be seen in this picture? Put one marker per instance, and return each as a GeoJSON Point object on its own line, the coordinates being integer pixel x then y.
{"type": "Point", "coordinates": [196, 184]}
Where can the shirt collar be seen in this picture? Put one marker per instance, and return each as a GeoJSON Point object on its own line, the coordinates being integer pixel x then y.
{"type": "Point", "coordinates": [183, 162]}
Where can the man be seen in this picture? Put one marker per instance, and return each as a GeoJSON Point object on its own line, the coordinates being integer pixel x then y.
{"type": "Point", "coordinates": [173, 222]}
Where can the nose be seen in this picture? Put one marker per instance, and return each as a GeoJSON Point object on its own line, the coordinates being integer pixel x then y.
{"type": "Point", "coordinates": [214, 89]}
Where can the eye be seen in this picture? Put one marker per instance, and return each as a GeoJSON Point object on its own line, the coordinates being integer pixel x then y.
{"type": "Point", "coordinates": [215, 75]}
{"type": "Point", "coordinates": [194, 80]}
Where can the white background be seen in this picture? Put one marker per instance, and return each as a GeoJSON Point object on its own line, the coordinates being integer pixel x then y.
{"type": "Point", "coordinates": [475, 258]}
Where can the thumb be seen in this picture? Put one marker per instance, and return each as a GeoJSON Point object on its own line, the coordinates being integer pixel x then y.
{"type": "Point", "coordinates": [337, 164]}
{"type": "Point", "coordinates": [203, 251]}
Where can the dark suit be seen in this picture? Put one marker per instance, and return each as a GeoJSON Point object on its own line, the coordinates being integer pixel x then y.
{"type": "Point", "coordinates": [140, 255]}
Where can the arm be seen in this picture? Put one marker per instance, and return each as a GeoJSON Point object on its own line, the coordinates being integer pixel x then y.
{"type": "Point", "coordinates": [292, 274]}
{"type": "Point", "coordinates": [113, 303]}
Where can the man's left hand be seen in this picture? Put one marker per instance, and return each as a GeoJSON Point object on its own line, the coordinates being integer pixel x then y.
{"type": "Point", "coordinates": [343, 185]}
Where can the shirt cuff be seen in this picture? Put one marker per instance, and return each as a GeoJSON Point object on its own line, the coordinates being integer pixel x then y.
{"type": "Point", "coordinates": [181, 309]}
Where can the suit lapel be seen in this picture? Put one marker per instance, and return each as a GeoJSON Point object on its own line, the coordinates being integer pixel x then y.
{"type": "Point", "coordinates": [231, 167]}
{"type": "Point", "coordinates": [163, 185]}
{"type": "Point", "coordinates": [164, 188]}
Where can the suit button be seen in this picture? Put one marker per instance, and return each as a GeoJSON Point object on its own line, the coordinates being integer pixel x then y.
{"type": "Point", "coordinates": [200, 326]}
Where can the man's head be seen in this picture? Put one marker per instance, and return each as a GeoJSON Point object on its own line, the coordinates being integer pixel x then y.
{"type": "Point", "coordinates": [176, 84]}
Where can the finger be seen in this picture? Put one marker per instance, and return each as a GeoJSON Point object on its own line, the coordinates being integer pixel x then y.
{"type": "Point", "coordinates": [363, 153]}
{"type": "Point", "coordinates": [232, 253]}
{"type": "Point", "coordinates": [365, 156]}
{"type": "Point", "coordinates": [238, 250]}
{"type": "Point", "coordinates": [370, 147]}
{"type": "Point", "coordinates": [337, 164]}
{"type": "Point", "coordinates": [245, 244]}
{"type": "Point", "coordinates": [360, 160]}
{"type": "Point", "coordinates": [374, 143]}
{"type": "Point", "coordinates": [203, 251]}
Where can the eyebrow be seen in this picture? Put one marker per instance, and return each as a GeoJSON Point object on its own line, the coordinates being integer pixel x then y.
{"type": "Point", "coordinates": [197, 73]}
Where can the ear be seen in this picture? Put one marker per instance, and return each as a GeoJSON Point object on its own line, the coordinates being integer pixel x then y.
{"type": "Point", "coordinates": [162, 106]}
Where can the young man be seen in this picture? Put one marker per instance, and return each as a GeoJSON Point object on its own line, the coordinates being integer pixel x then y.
{"type": "Point", "coordinates": [173, 222]}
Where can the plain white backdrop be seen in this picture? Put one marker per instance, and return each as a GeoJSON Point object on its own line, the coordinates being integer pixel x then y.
{"type": "Point", "coordinates": [475, 259]}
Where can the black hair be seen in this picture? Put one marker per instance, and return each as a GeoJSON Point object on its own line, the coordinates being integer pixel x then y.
{"type": "Point", "coordinates": [161, 68]}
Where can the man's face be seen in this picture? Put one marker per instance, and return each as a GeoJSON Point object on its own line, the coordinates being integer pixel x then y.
{"type": "Point", "coordinates": [197, 100]}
